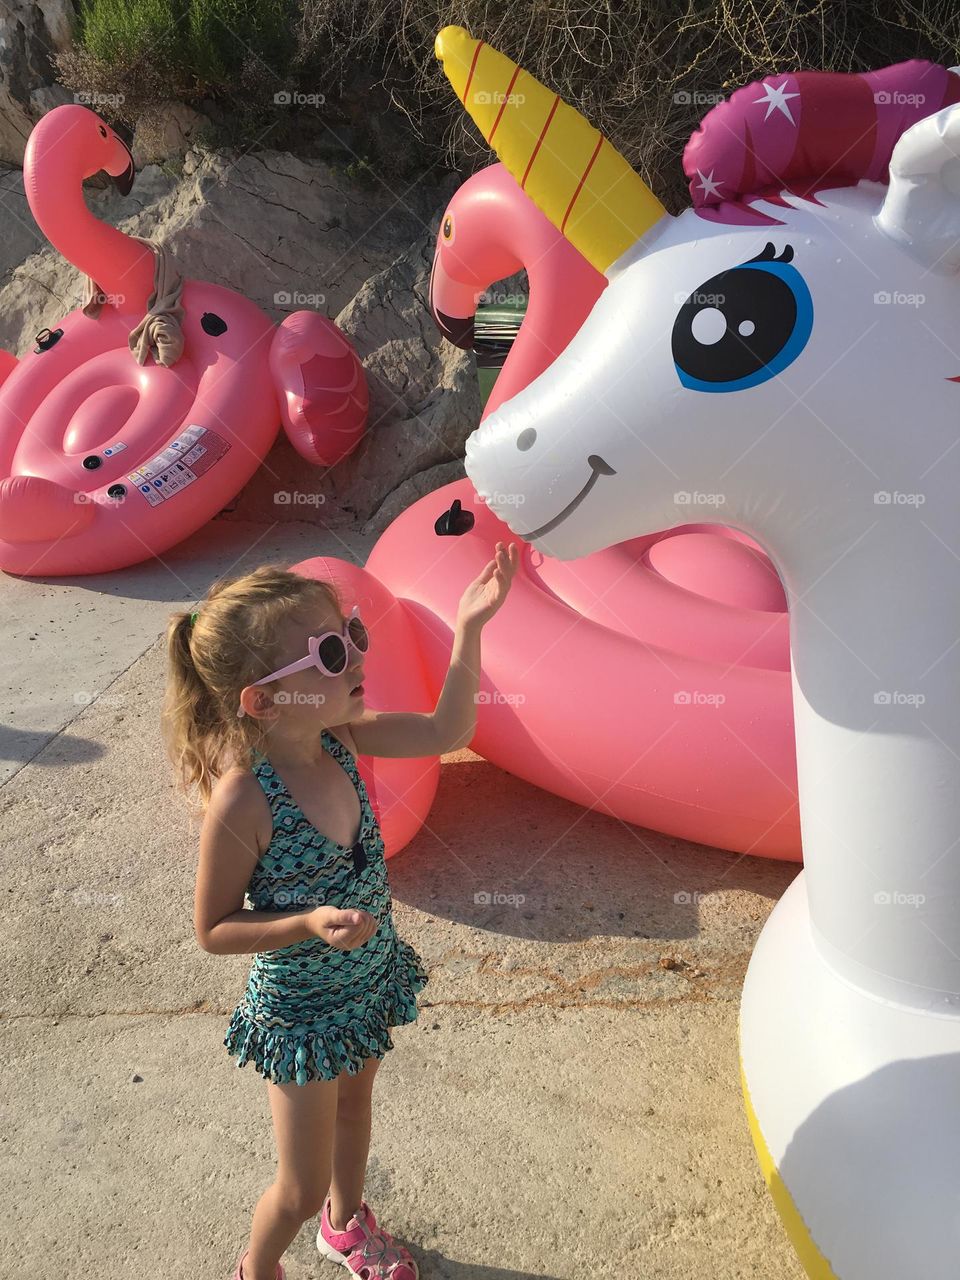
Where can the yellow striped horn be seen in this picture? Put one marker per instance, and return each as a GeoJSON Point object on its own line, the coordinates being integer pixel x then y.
{"type": "Point", "coordinates": [569, 169]}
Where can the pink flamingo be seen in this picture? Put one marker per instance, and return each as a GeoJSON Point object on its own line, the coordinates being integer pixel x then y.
{"type": "Point", "coordinates": [489, 230]}
{"type": "Point", "coordinates": [98, 451]}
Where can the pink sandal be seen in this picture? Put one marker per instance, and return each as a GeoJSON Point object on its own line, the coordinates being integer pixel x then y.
{"type": "Point", "coordinates": [365, 1249]}
{"type": "Point", "coordinates": [237, 1275]}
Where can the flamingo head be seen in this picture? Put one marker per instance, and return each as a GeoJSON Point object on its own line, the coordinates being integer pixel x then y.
{"type": "Point", "coordinates": [476, 246]}
{"type": "Point", "coordinates": [72, 138]}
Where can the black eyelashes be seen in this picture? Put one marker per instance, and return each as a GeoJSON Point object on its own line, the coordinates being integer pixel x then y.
{"type": "Point", "coordinates": [769, 254]}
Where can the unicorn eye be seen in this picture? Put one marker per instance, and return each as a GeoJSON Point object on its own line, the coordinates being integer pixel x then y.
{"type": "Point", "coordinates": [744, 325]}
{"type": "Point", "coordinates": [448, 228]}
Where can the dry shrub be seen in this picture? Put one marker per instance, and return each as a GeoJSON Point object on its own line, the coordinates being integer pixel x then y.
{"type": "Point", "coordinates": [644, 73]}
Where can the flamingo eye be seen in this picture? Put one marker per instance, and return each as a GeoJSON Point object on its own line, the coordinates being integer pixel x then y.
{"type": "Point", "coordinates": [448, 228]}
{"type": "Point", "coordinates": [103, 132]}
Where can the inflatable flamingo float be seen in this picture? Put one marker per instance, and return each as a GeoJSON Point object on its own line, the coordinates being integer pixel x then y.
{"type": "Point", "coordinates": [669, 653]}
{"type": "Point", "coordinates": [767, 342]}
{"type": "Point", "coordinates": [105, 461]}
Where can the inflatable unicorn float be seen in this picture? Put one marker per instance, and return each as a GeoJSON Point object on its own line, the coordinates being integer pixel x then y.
{"type": "Point", "coordinates": [146, 410]}
{"type": "Point", "coordinates": [787, 341]}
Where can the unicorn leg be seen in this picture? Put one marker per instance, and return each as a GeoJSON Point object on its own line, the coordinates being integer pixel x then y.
{"type": "Point", "coordinates": [852, 1105]}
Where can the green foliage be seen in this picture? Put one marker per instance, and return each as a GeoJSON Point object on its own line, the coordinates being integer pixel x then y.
{"type": "Point", "coordinates": [207, 42]}
{"type": "Point", "coordinates": [120, 30]}
{"type": "Point", "coordinates": [225, 34]}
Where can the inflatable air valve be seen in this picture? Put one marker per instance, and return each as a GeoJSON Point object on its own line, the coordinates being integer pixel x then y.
{"type": "Point", "coordinates": [455, 521]}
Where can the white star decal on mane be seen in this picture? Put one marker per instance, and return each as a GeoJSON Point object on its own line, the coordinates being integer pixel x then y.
{"type": "Point", "coordinates": [707, 183]}
{"type": "Point", "coordinates": [776, 100]}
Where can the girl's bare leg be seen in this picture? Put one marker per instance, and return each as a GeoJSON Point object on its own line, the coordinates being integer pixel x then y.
{"type": "Point", "coordinates": [304, 1116]}
{"type": "Point", "coordinates": [351, 1143]}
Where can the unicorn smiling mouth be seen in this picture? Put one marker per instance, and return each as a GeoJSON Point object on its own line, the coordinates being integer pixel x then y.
{"type": "Point", "coordinates": [597, 468]}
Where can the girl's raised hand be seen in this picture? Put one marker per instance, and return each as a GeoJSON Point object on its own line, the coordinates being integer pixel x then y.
{"type": "Point", "coordinates": [484, 596]}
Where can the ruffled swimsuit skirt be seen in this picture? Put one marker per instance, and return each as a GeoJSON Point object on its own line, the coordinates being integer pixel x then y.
{"type": "Point", "coordinates": [312, 1010]}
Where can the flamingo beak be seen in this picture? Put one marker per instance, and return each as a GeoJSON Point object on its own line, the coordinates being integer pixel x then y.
{"type": "Point", "coordinates": [456, 329]}
{"type": "Point", "coordinates": [124, 181]}
{"type": "Point", "coordinates": [444, 292]}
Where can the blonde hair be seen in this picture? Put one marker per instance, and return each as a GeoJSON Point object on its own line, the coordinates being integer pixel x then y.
{"type": "Point", "coordinates": [233, 641]}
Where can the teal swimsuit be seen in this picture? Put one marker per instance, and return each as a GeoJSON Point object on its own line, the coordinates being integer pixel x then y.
{"type": "Point", "coordinates": [311, 1010]}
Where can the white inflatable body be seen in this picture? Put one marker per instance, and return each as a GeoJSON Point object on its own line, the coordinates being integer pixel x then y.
{"type": "Point", "coordinates": [835, 443]}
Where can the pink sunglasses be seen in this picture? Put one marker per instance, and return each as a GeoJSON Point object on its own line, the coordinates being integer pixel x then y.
{"type": "Point", "coordinates": [328, 652]}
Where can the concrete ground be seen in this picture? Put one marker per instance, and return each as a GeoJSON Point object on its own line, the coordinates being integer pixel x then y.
{"type": "Point", "coordinates": [567, 1104]}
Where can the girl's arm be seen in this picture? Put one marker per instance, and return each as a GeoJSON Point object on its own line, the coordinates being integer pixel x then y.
{"type": "Point", "coordinates": [228, 854]}
{"type": "Point", "coordinates": [248, 931]}
{"type": "Point", "coordinates": [450, 725]}
{"type": "Point", "coordinates": [454, 719]}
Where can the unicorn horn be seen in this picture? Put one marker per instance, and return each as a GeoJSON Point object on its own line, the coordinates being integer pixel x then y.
{"type": "Point", "coordinates": [570, 171]}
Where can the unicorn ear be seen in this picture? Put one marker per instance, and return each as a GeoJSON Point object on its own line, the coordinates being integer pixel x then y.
{"type": "Point", "coordinates": [921, 211]}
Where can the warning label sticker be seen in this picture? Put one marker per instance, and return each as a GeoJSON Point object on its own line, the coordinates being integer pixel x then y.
{"type": "Point", "coordinates": [184, 460]}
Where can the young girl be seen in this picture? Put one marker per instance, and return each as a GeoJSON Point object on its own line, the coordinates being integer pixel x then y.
{"type": "Point", "coordinates": [264, 714]}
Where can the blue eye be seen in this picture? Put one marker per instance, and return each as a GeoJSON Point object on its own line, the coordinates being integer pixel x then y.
{"type": "Point", "coordinates": [744, 325]}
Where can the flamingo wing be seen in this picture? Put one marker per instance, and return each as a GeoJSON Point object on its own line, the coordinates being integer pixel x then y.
{"type": "Point", "coordinates": [321, 386]}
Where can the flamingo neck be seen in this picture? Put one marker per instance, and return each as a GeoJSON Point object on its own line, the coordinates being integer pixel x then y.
{"type": "Point", "coordinates": [121, 266]}
{"type": "Point", "coordinates": [563, 289]}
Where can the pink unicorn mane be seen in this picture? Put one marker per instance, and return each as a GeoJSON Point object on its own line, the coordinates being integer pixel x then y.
{"type": "Point", "coordinates": [802, 132]}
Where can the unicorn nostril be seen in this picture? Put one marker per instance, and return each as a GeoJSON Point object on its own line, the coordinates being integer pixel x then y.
{"type": "Point", "coordinates": [527, 438]}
